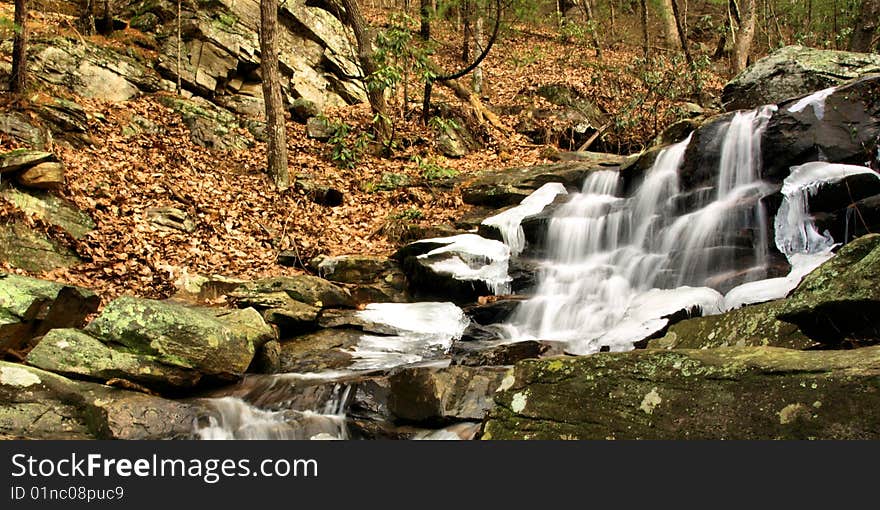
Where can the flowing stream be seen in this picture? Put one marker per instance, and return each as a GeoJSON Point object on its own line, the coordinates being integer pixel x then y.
{"type": "Point", "coordinates": [617, 269]}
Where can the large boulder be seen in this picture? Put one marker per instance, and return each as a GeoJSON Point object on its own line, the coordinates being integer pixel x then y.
{"type": "Point", "coordinates": [179, 335]}
{"type": "Point", "coordinates": [840, 300]}
{"type": "Point", "coordinates": [794, 71]}
{"type": "Point", "coordinates": [74, 353]}
{"type": "Point", "coordinates": [35, 404]}
{"type": "Point", "coordinates": [371, 279]}
{"type": "Point", "coordinates": [499, 188]}
{"type": "Point", "coordinates": [725, 393]}
{"type": "Point", "coordinates": [30, 307]}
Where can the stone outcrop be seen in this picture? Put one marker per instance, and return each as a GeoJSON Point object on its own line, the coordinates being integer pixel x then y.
{"type": "Point", "coordinates": [793, 71]}
{"type": "Point", "coordinates": [35, 404]}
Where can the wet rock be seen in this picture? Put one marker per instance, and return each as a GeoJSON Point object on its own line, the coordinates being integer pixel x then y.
{"type": "Point", "coordinates": [35, 404]}
{"type": "Point", "coordinates": [476, 355]}
{"type": "Point", "coordinates": [71, 352]}
{"type": "Point", "coordinates": [294, 318]}
{"type": "Point", "coordinates": [499, 188]}
{"type": "Point", "coordinates": [725, 393]}
{"type": "Point", "coordinates": [51, 209]}
{"type": "Point", "coordinates": [794, 71]}
{"type": "Point", "coordinates": [437, 395]}
{"type": "Point", "coordinates": [177, 335]}
{"type": "Point", "coordinates": [459, 268]}
{"type": "Point", "coordinates": [493, 312]}
{"type": "Point", "coordinates": [319, 351]}
{"type": "Point", "coordinates": [267, 359]}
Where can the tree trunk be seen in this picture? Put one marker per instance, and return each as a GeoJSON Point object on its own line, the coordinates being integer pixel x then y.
{"type": "Point", "coordinates": [865, 27]}
{"type": "Point", "coordinates": [744, 37]}
{"type": "Point", "coordinates": [19, 48]}
{"type": "Point", "coordinates": [107, 17]}
{"type": "Point", "coordinates": [87, 18]}
{"type": "Point", "coordinates": [643, 5]}
{"type": "Point", "coordinates": [425, 19]}
{"type": "Point", "coordinates": [477, 78]}
{"type": "Point", "coordinates": [670, 25]}
{"type": "Point", "coordinates": [679, 23]}
{"type": "Point", "coordinates": [382, 123]}
{"type": "Point", "coordinates": [465, 11]}
{"type": "Point", "coordinates": [277, 138]}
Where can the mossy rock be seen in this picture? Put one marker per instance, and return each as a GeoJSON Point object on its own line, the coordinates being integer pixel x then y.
{"type": "Point", "coordinates": [35, 404]}
{"type": "Point", "coordinates": [176, 335]}
{"type": "Point", "coordinates": [74, 353]}
{"type": "Point", "coordinates": [725, 393]}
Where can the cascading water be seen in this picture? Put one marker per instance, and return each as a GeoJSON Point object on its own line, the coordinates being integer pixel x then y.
{"type": "Point", "coordinates": [609, 256]}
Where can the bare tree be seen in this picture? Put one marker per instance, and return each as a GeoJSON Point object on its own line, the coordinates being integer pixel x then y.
{"type": "Point", "coordinates": [643, 7]}
{"type": "Point", "coordinates": [87, 18]}
{"type": "Point", "coordinates": [670, 24]}
{"type": "Point", "coordinates": [866, 25]}
{"type": "Point", "coordinates": [277, 137]}
{"type": "Point", "coordinates": [744, 36]}
{"type": "Point", "coordinates": [19, 48]}
{"type": "Point", "coordinates": [376, 96]}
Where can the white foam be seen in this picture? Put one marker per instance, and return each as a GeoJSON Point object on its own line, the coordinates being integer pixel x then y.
{"type": "Point", "coordinates": [509, 222]}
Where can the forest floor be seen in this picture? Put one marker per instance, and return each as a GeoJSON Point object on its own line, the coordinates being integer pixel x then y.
{"type": "Point", "coordinates": [243, 222]}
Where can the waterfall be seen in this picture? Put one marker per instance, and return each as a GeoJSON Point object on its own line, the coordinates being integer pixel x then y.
{"type": "Point", "coordinates": [618, 267]}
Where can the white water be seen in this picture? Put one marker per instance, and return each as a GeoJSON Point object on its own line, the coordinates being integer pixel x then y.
{"type": "Point", "coordinates": [509, 222]}
{"type": "Point", "coordinates": [795, 232]}
{"type": "Point", "coordinates": [416, 331]}
{"type": "Point", "coordinates": [609, 255]}
{"type": "Point", "coordinates": [235, 418]}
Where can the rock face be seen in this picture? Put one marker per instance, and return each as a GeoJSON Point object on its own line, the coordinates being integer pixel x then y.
{"type": "Point", "coordinates": [729, 393]}
{"type": "Point", "coordinates": [209, 125]}
{"type": "Point", "coordinates": [840, 300]}
{"type": "Point", "coordinates": [51, 209]}
{"type": "Point", "coordinates": [794, 71]}
{"type": "Point", "coordinates": [40, 405]}
{"type": "Point", "coordinates": [92, 71]}
{"type": "Point", "coordinates": [179, 336]}
{"type": "Point", "coordinates": [499, 188]}
{"type": "Point", "coordinates": [30, 307]}
{"type": "Point", "coordinates": [844, 128]}
{"type": "Point", "coordinates": [221, 51]}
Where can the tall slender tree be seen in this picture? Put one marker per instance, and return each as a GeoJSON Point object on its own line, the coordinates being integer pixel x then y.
{"type": "Point", "coordinates": [744, 36]}
{"type": "Point", "coordinates": [277, 138]}
{"type": "Point", "coordinates": [19, 47]}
